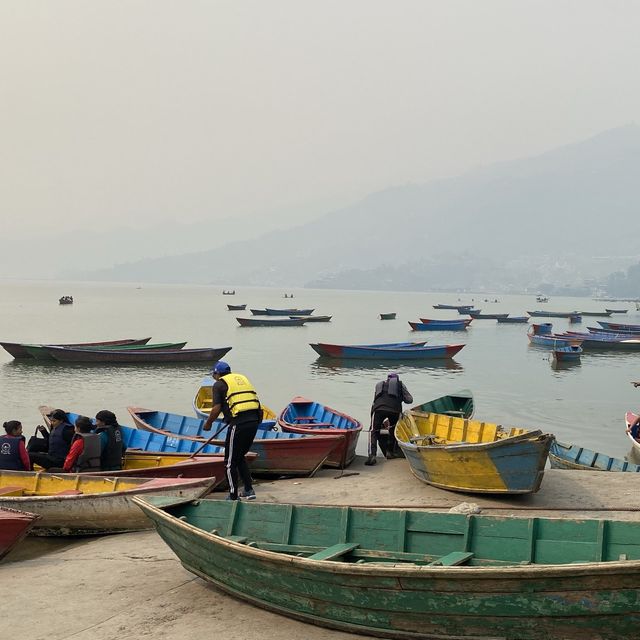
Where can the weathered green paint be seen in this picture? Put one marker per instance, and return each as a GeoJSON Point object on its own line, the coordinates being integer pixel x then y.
{"type": "Point", "coordinates": [517, 582]}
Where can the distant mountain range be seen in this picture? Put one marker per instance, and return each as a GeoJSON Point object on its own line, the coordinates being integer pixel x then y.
{"type": "Point", "coordinates": [561, 218]}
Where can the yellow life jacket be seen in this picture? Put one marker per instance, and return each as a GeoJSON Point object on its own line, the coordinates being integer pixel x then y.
{"type": "Point", "coordinates": [241, 396]}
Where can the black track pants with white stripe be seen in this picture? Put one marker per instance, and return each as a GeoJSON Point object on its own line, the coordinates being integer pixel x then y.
{"type": "Point", "coordinates": [238, 442]}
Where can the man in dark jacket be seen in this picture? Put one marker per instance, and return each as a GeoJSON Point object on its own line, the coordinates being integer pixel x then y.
{"type": "Point", "coordinates": [385, 410]}
{"type": "Point", "coordinates": [56, 442]}
{"type": "Point", "coordinates": [112, 443]}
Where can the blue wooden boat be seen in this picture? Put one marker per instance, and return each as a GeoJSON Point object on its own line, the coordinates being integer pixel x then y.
{"type": "Point", "coordinates": [543, 329]}
{"type": "Point", "coordinates": [392, 354]}
{"type": "Point", "coordinates": [608, 341]}
{"type": "Point", "coordinates": [616, 326]}
{"type": "Point", "coordinates": [338, 350]}
{"type": "Point", "coordinates": [279, 453]}
{"type": "Point", "coordinates": [289, 312]}
{"type": "Point", "coordinates": [513, 320]}
{"type": "Point", "coordinates": [258, 312]}
{"type": "Point", "coordinates": [567, 352]}
{"type": "Point", "coordinates": [553, 341]}
{"type": "Point", "coordinates": [572, 456]}
{"type": "Point", "coordinates": [305, 416]}
{"type": "Point", "coordinates": [271, 322]}
{"type": "Point", "coordinates": [427, 324]}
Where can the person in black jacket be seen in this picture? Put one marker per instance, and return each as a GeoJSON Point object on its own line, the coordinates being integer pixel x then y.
{"type": "Point", "coordinates": [56, 442]}
{"type": "Point", "coordinates": [113, 446]}
{"type": "Point", "coordinates": [385, 410]}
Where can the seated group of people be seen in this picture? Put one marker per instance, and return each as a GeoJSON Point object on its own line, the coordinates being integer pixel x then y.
{"type": "Point", "coordinates": [65, 448]}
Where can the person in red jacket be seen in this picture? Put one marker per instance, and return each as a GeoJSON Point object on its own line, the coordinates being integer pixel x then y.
{"type": "Point", "coordinates": [84, 454]}
{"type": "Point", "coordinates": [13, 453]}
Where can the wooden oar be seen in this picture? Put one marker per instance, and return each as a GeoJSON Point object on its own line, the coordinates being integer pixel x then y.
{"type": "Point", "coordinates": [193, 455]}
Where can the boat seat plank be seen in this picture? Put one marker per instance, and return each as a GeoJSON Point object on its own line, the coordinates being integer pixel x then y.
{"type": "Point", "coordinates": [316, 424]}
{"type": "Point", "coordinates": [305, 419]}
{"type": "Point", "coordinates": [68, 492]}
{"type": "Point", "coordinates": [335, 551]}
{"type": "Point", "coordinates": [452, 559]}
{"type": "Point", "coordinates": [11, 491]}
{"type": "Point", "coordinates": [240, 539]}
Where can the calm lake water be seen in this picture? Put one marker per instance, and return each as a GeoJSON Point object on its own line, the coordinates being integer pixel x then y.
{"type": "Point", "coordinates": [513, 383]}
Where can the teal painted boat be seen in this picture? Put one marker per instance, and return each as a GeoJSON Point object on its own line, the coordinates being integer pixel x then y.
{"type": "Point", "coordinates": [571, 456]}
{"type": "Point", "coordinates": [400, 573]}
{"type": "Point", "coordinates": [458, 404]}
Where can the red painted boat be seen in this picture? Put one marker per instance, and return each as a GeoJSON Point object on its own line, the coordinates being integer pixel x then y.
{"type": "Point", "coordinates": [308, 417]}
{"type": "Point", "coordinates": [14, 525]}
{"type": "Point", "coordinates": [279, 453]}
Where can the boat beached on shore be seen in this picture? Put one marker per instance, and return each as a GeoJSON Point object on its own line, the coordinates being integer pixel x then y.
{"type": "Point", "coordinates": [471, 456]}
{"type": "Point", "coordinates": [411, 573]}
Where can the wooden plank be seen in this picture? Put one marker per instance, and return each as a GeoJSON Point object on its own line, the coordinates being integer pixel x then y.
{"type": "Point", "coordinates": [335, 551]}
{"type": "Point", "coordinates": [452, 559]}
{"type": "Point", "coordinates": [240, 539]}
{"type": "Point", "coordinates": [286, 529]}
{"type": "Point", "coordinates": [344, 524]}
{"type": "Point", "coordinates": [232, 518]}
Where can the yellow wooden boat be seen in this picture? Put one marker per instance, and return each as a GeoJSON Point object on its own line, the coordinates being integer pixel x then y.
{"type": "Point", "coordinates": [472, 456]}
{"type": "Point", "coordinates": [80, 504]}
{"type": "Point", "coordinates": [203, 401]}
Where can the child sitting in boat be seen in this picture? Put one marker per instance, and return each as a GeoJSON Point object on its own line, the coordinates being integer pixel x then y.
{"type": "Point", "coordinates": [13, 453]}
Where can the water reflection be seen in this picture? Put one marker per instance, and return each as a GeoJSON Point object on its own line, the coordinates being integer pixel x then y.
{"type": "Point", "coordinates": [567, 365]}
{"type": "Point", "coordinates": [346, 366]}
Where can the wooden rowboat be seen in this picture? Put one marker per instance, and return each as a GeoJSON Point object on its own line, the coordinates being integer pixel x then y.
{"type": "Point", "coordinates": [19, 349]}
{"type": "Point", "coordinates": [477, 315]}
{"type": "Point", "coordinates": [270, 322]}
{"type": "Point", "coordinates": [427, 324]}
{"type": "Point", "coordinates": [633, 430]}
{"type": "Point", "coordinates": [78, 504]}
{"type": "Point", "coordinates": [236, 307]}
{"type": "Point", "coordinates": [132, 356]}
{"type": "Point", "coordinates": [14, 525]}
{"type": "Point", "coordinates": [458, 404]}
{"type": "Point", "coordinates": [388, 316]}
{"type": "Point", "coordinates": [288, 312]}
{"type": "Point", "coordinates": [612, 311]}
{"type": "Point", "coordinates": [157, 455]}
{"type": "Point", "coordinates": [312, 318]}
{"type": "Point", "coordinates": [312, 418]}
{"type": "Point", "coordinates": [279, 453]}
{"type": "Point", "coordinates": [414, 574]}
{"type": "Point", "coordinates": [571, 456]}
{"type": "Point", "coordinates": [472, 456]}
{"type": "Point", "coordinates": [565, 353]}
{"type": "Point", "coordinates": [203, 401]}
{"type": "Point", "coordinates": [384, 353]}
{"type": "Point", "coordinates": [513, 320]}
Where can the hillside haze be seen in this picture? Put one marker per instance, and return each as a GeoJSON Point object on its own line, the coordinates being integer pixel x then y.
{"type": "Point", "coordinates": [561, 215]}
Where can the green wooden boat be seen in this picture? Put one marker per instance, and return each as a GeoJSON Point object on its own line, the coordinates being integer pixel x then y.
{"type": "Point", "coordinates": [457, 404]}
{"type": "Point", "coordinates": [399, 573]}
{"type": "Point", "coordinates": [43, 352]}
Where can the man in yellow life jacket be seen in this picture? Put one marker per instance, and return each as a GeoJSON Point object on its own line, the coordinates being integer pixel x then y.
{"type": "Point", "coordinates": [235, 397]}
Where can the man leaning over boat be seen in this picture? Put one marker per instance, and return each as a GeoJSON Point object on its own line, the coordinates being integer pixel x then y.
{"type": "Point", "coordinates": [385, 411]}
{"type": "Point", "coordinates": [235, 397]}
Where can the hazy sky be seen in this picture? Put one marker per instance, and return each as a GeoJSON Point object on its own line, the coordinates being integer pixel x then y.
{"type": "Point", "coordinates": [144, 111]}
